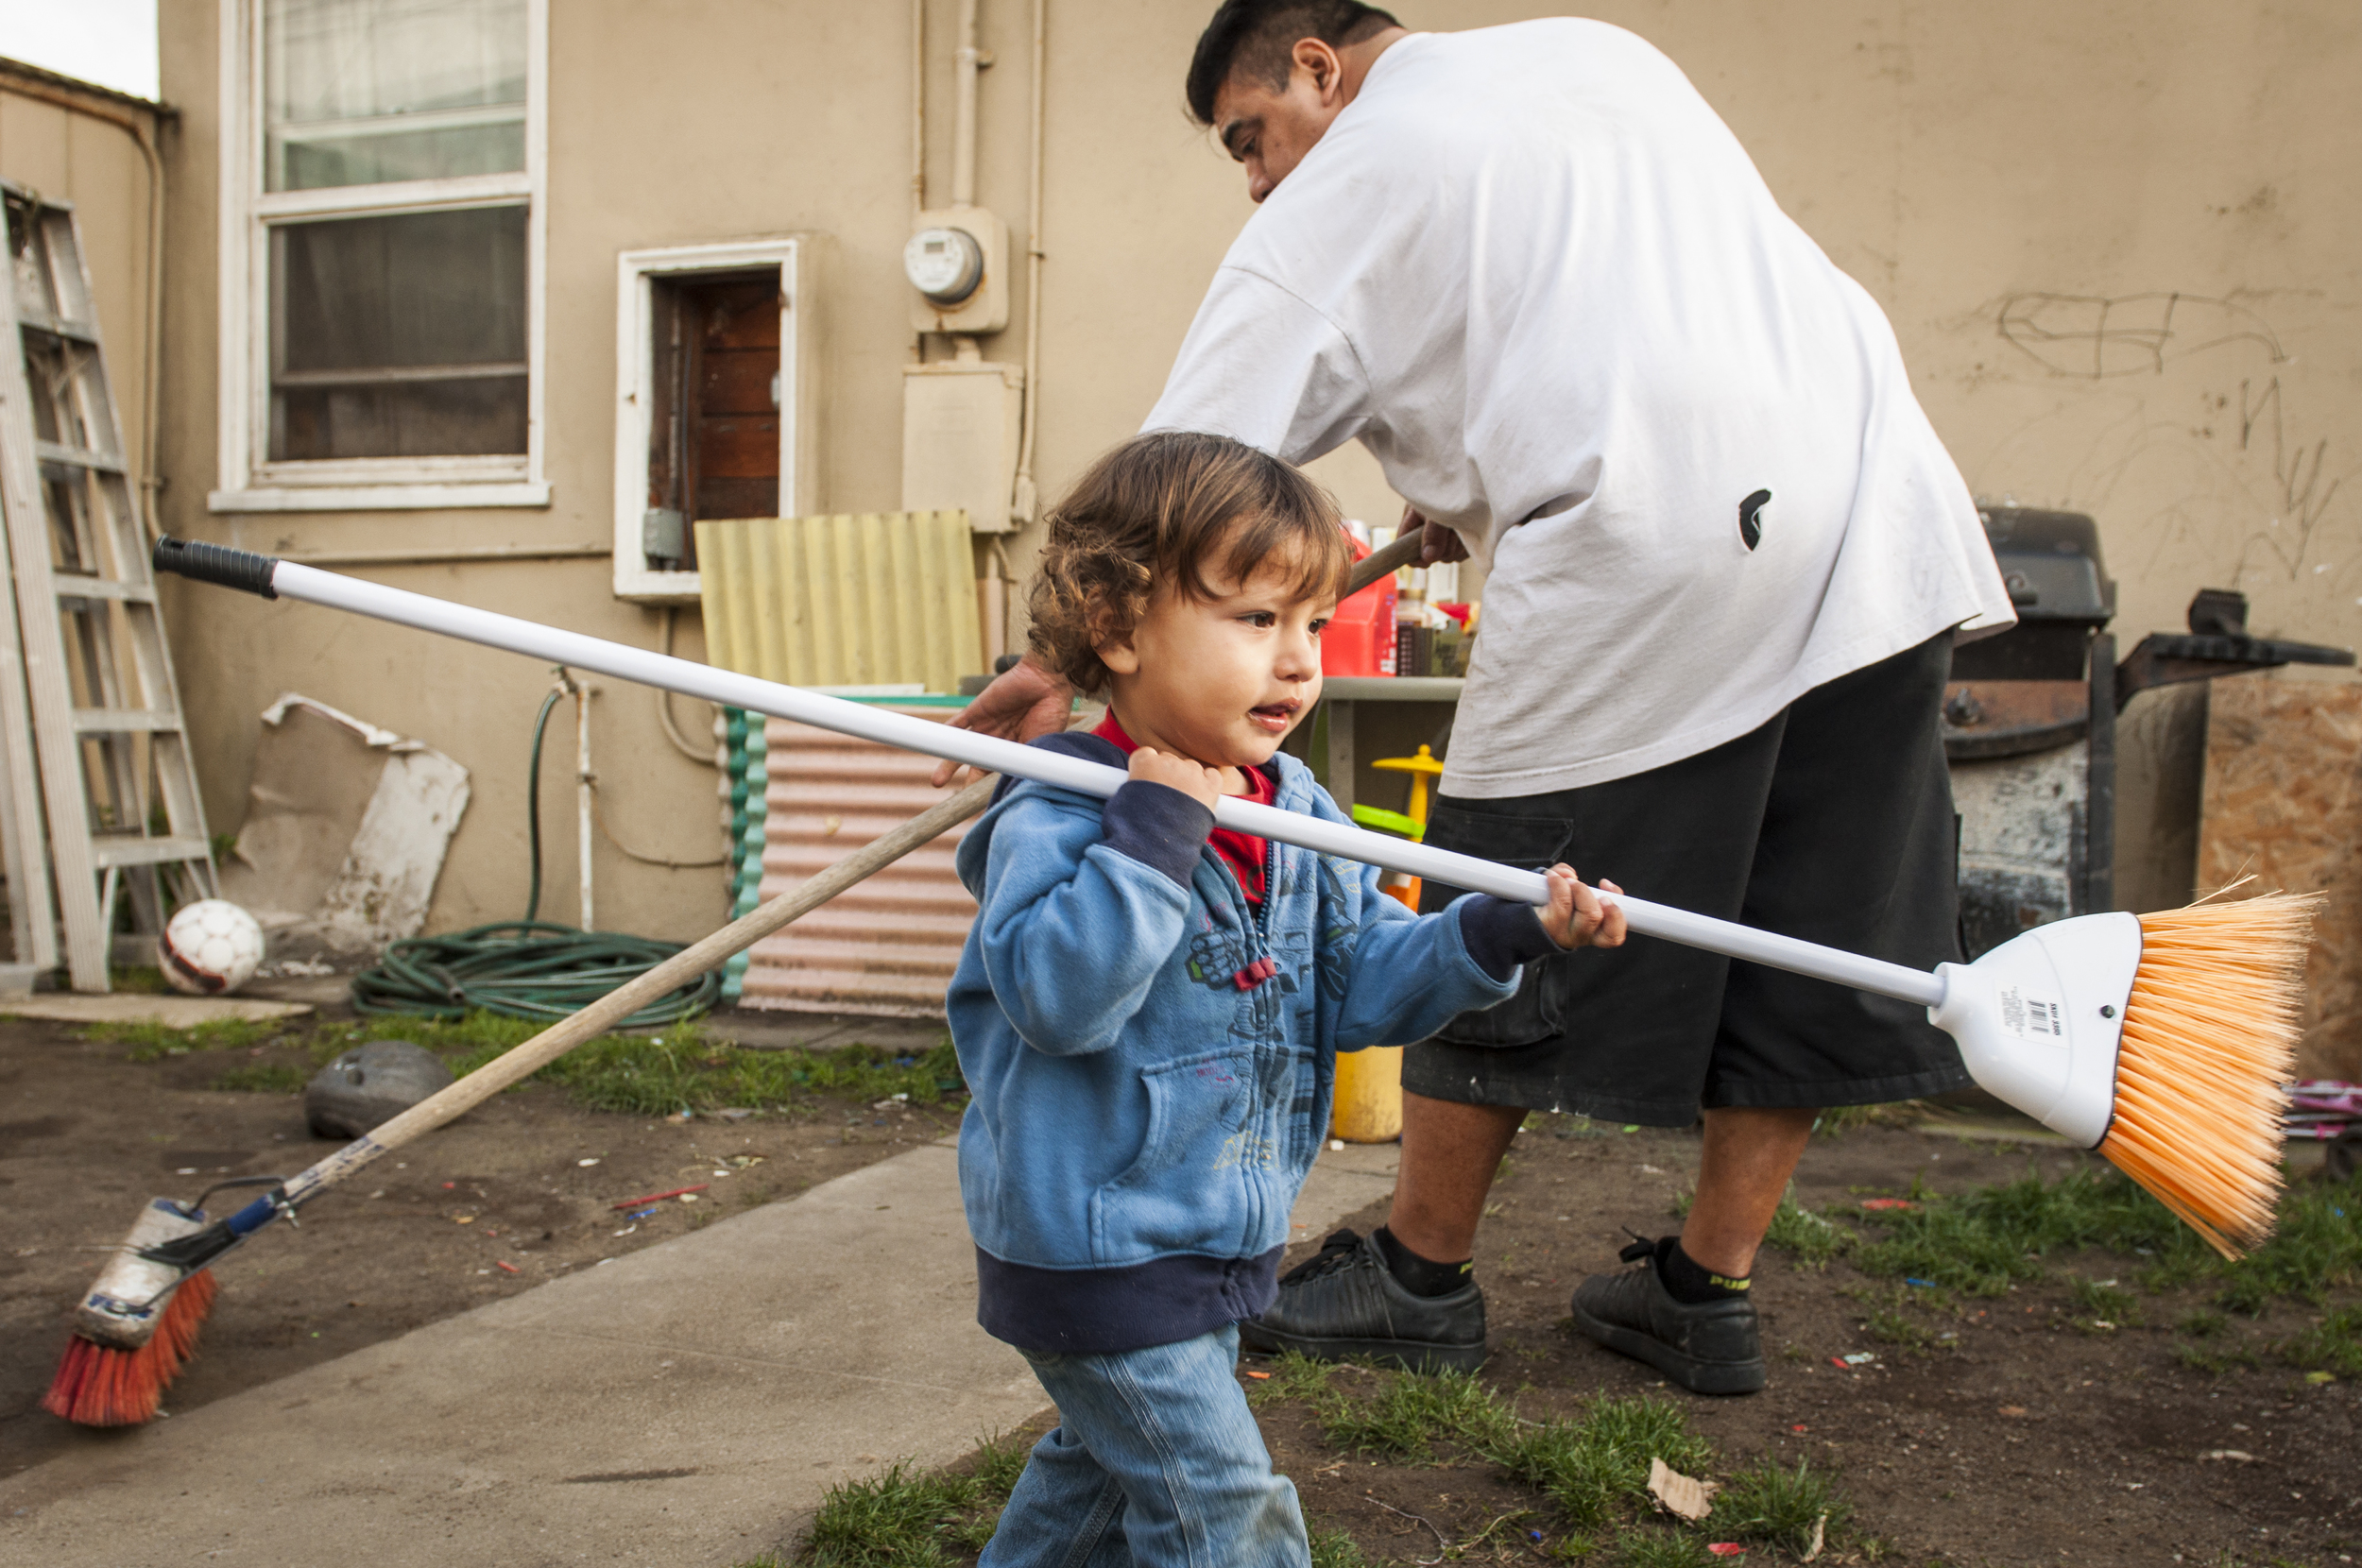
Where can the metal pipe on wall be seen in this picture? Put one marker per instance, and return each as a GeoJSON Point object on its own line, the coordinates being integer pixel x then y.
{"type": "Point", "coordinates": [1024, 498]}
{"type": "Point", "coordinates": [918, 108]}
{"type": "Point", "coordinates": [585, 781]}
{"type": "Point", "coordinates": [919, 138]}
{"type": "Point", "coordinates": [971, 61]}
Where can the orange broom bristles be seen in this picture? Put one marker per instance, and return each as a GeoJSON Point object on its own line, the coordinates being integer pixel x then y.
{"type": "Point", "coordinates": [2210, 1036]}
{"type": "Point", "coordinates": [97, 1385]}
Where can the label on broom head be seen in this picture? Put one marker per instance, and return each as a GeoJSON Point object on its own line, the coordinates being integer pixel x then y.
{"type": "Point", "coordinates": [2024, 1017]}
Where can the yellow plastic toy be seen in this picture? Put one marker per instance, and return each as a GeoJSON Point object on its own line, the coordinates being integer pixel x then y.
{"type": "Point", "coordinates": [1369, 1082]}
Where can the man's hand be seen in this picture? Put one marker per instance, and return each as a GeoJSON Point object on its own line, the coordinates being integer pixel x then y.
{"type": "Point", "coordinates": [1440, 545]}
{"type": "Point", "coordinates": [1192, 778]}
{"type": "Point", "coordinates": [1026, 702]}
{"type": "Point", "coordinates": [1577, 917]}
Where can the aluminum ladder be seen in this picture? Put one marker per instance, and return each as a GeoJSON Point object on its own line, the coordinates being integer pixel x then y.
{"type": "Point", "coordinates": [115, 778]}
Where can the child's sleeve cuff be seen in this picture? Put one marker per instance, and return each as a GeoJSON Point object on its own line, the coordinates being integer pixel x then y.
{"type": "Point", "coordinates": [1157, 826]}
{"type": "Point", "coordinates": [1500, 935]}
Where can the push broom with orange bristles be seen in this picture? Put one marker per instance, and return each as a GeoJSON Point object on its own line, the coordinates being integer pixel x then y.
{"type": "Point", "coordinates": [2164, 1041]}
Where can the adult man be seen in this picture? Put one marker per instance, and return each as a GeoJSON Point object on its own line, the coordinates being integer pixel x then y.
{"type": "Point", "coordinates": [1530, 271]}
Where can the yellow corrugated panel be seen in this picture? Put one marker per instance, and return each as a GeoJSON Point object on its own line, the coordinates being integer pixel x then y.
{"type": "Point", "coordinates": [873, 598]}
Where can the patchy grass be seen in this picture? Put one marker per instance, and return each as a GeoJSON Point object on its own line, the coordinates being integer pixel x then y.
{"type": "Point", "coordinates": [1333, 1548]}
{"type": "Point", "coordinates": [1408, 1417]}
{"type": "Point", "coordinates": [2103, 1304]}
{"type": "Point", "coordinates": [898, 1520]}
{"type": "Point", "coordinates": [1646, 1547]}
{"type": "Point", "coordinates": [1837, 1121]}
{"type": "Point", "coordinates": [2332, 1345]}
{"type": "Point", "coordinates": [153, 1042]}
{"type": "Point", "coordinates": [683, 1067]}
{"type": "Point", "coordinates": [1980, 1243]}
{"type": "Point", "coordinates": [1293, 1377]}
{"type": "Point", "coordinates": [1593, 1466]}
{"type": "Point", "coordinates": [1811, 1238]}
{"type": "Point", "coordinates": [1763, 1502]}
{"type": "Point", "coordinates": [1893, 1325]}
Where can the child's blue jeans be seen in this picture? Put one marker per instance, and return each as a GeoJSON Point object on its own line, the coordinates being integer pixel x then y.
{"type": "Point", "coordinates": [1156, 1463]}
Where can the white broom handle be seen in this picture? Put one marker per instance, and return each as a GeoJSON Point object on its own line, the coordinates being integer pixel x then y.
{"type": "Point", "coordinates": [991, 754]}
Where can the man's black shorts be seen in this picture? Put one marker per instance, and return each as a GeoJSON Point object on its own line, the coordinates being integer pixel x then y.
{"type": "Point", "coordinates": [1832, 822]}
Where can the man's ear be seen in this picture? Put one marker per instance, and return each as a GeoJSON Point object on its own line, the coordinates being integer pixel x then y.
{"type": "Point", "coordinates": [1319, 61]}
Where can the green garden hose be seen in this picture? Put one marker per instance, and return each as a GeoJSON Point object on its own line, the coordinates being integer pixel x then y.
{"type": "Point", "coordinates": [526, 969]}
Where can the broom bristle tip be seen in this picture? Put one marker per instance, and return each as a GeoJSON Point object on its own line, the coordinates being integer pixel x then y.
{"type": "Point", "coordinates": [99, 1385]}
{"type": "Point", "coordinates": [2208, 1047]}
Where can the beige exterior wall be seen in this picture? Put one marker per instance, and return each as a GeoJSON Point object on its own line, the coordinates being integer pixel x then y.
{"type": "Point", "coordinates": [78, 146]}
{"type": "Point", "coordinates": [2020, 184]}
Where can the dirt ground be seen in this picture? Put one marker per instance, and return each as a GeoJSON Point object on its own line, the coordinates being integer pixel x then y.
{"type": "Point", "coordinates": [518, 1191]}
{"type": "Point", "coordinates": [2027, 1436]}
{"type": "Point", "coordinates": [2024, 1441]}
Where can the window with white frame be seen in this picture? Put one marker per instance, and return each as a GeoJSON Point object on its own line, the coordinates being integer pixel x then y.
{"type": "Point", "coordinates": [382, 262]}
{"type": "Point", "coordinates": [713, 415]}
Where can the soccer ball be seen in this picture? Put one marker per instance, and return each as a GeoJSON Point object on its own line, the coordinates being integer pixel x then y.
{"type": "Point", "coordinates": [210, 947]}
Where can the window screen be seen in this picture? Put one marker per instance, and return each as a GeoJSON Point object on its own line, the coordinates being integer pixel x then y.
{"type": "Point", "coordinates": [367, 92]}
{"type": "Point", "coordinates": [399, 337]}
{"type": "Point", "coordinates": [399, 331]}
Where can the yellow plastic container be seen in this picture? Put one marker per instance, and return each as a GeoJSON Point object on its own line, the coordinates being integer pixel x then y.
{"type": "Point", "coordinates": [1369, 1096]}
{"type": "Point", "coordinates": [1369, 1082]}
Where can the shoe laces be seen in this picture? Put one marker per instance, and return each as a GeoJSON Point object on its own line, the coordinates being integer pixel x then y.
{"type": "Point", "coordinates": [1638, 1248]}
{"type": "Point", "coordinates": [1335, 1253]}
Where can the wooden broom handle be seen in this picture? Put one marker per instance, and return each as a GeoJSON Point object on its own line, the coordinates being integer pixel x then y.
{"type": "Point", "coordinates": [522, 1062]}
{"type": "Point", "coordinates": [1397, 553]}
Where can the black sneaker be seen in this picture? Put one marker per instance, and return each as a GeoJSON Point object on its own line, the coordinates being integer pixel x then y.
{"type": "Point", "coordinates": [1346, 1303]}
{"type": "Point", "coordinates": [1708, 1347]}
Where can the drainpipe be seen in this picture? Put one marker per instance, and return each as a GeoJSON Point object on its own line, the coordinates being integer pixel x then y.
{"type": "Point", "coordinates": [919, 138]}
{"type": "Point", "coordinates": [1023, 500]}
{"type": "Point", "coordinates": [970, 59]}
{"type": "Point", "coordinates": [586, 780]}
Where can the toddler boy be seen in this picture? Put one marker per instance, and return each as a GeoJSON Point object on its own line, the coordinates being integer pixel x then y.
{"type": "Point", "coordinates": [1148, 1009]}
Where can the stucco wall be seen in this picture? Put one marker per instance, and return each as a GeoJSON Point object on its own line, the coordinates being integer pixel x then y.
{"type": "Point", "coordinates": [78, 156]}
{"type": "Point", "coordinates": [1994, 171]}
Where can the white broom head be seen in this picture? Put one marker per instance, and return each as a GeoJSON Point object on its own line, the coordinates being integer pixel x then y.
{"type": "Point", "coordinates": [2166, 1041]}
{"type": "Point", "coordinates": [2039, 1017]}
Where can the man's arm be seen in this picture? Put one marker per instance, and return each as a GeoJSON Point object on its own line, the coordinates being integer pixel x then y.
{"type": "Point", "coordinates": [1023, 703]}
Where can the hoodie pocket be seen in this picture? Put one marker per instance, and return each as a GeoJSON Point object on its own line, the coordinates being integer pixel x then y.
{"type": "Point", "coordinates": [1187, 1190]}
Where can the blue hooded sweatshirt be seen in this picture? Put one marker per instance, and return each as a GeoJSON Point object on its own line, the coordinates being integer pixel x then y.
{"type": "Point", "coordinates": [1147, 1096]}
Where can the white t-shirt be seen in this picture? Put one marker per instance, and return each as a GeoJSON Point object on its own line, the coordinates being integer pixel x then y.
{"type": "Point", "coordinates": [1530, 270]}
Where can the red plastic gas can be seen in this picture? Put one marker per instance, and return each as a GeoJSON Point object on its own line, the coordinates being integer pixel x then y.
{"type": "Point", "coordinates": [1360, 640]}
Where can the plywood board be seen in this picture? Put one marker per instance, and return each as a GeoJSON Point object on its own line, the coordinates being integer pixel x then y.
{"type": "Point", "coordinates": [2283, 805]}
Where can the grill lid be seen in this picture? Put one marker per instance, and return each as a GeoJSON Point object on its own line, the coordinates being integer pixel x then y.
{"type": "Point", "coordinates": [2058, 583]}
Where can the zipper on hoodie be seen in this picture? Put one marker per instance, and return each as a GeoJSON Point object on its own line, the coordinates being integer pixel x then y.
{"type": "Point", "coordinates": [1258, 943]}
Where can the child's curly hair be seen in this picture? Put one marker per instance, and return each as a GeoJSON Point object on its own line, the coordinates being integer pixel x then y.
{"type": "Point", "coordinates": [1154, 515]}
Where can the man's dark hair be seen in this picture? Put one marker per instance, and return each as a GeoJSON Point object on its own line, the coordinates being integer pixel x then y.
{"type": "Point", "coordinates": [1253, 37]}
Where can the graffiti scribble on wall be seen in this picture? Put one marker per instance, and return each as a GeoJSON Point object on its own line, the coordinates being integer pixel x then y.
{"type": "Point", "coordinates": [2131, 334]}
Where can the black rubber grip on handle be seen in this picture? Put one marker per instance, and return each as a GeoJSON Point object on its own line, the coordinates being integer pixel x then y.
{"type": "Point", "coordinates": [222, 564]}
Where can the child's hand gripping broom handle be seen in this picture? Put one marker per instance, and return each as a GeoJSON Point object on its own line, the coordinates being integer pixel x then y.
{"type": "Point", "coordinates": [274, 578]}
{"type": "Point", "coordinates": [523, 1061]}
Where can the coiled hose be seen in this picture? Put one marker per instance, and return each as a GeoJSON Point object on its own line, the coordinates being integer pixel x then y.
{"type": "Point", "coordinates": [526, 969]}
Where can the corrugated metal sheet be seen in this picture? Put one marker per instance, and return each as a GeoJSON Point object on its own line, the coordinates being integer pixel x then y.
{"type": "Point", "coordinates": [873, 598]}
{"type": "Point", "coordinates": [887, 947]}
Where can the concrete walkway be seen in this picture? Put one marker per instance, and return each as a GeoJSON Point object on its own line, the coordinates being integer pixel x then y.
{"type": "Point", "coordinates": [684, 1406]}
